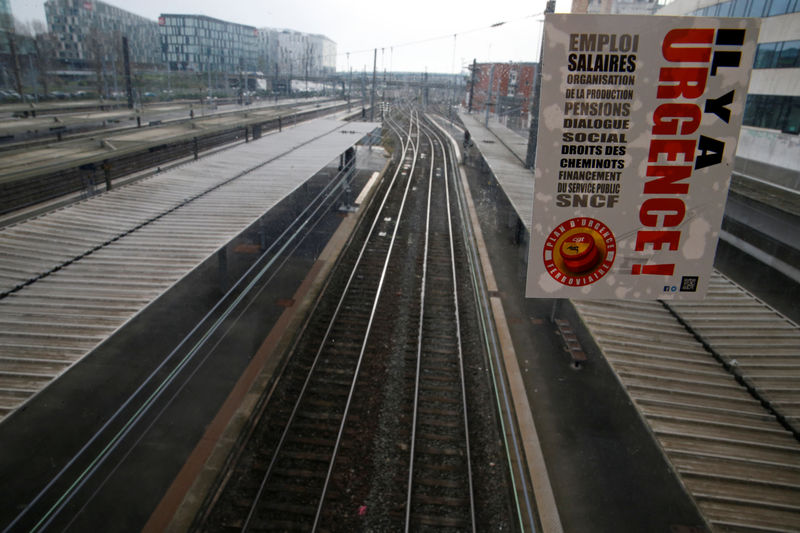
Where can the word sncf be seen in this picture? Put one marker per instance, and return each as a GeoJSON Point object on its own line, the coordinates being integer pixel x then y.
{"type": "Point", "coordinates": [700, 53]}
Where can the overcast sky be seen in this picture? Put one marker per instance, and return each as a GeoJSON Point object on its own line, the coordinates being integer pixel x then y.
{"type": "Point", "coordinates": [358, 26]}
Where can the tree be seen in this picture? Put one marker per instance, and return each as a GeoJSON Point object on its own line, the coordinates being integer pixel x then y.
{"type": "Point", "coordinates": [95, 45]}
{"type": "Point", "coordinates": [13, 39]}
{"type": "Point", "coordinates": [44, 44]}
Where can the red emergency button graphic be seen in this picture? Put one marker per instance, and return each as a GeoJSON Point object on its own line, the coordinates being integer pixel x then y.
{"type": "Point", "coordinates": [579, 252]}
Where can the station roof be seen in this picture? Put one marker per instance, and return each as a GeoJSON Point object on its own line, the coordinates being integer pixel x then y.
{"type": "Point", "coordinates": [72, 277]}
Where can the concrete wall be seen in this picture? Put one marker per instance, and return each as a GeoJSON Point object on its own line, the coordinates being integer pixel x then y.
{"type": "Point", "coordinates": [779, 151]}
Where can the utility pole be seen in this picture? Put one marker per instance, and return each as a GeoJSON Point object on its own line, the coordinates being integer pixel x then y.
{"type": "Point", "coordinates": [472, 84]}
{"type": "Point", "coordinates": [372, 98]}
{"type": "Point", "coordinates": [126, 61]}
{"type": "Point", "coordinates": [208, 56]}
{"type": "Point", "coordinates": [425, 89]}
{"type": "Point", "coordinates": [489, 96]}
{"type": "Point", "coordinates": [533, 135]}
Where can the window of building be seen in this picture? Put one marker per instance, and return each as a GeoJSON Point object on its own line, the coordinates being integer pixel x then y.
{"type": "Point", "coordinates": [756, 8]}
{"type": "Point", "coordinates": [725, 9]}
{"type": "Point", "coordinates": [749, 8]}
{"type": "Point", "coordinates": [766, 53]}
{"type": "Point", "coordinates": [793, 117]}
{"type": "Point", "coordinates": [789, 55]}
{"type": "Point", "coordinates": [773, 112]}
{"type": "Point", "coordinates": [784, 54]}
{"type": "Point", "coordinates": [779, 7]}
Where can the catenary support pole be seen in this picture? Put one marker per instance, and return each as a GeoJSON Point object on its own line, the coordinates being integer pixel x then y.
{"type": "Point", "coordinates": [530, 156]}
{"type": "Point", "coordinates": [372, 99]}
{"type": "Point", "coordinates": [126, 60]}
{"type": "Point", "coordinates": [472, 84]}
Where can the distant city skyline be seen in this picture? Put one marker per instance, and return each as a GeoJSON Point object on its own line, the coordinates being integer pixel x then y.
{"type": "Point", "coordinates": [419, 37]}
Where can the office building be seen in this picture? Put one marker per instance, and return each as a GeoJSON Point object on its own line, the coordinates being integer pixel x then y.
{"type": "Point", "coordinates": [89, 30]}
{"type": "Point", "coordinates": [287, 53]}
{"type": "Point", "coordinates": [202, 44]}
{"type": "Point", "coordinates": [6, 18]}
{"type": "Point", "coordinates": [769, 145]}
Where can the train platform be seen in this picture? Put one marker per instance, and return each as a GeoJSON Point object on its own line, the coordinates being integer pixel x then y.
{"type": "Point", "coordinates": [168, 253]}
{"type": "Point", "coordinates": [78, 274]}
{"type": "Point", "coordinates": [25, 162]}
{"type": "Point", "coordinates": [715, 384]}
{"type": "Point", "coordinates": [46, 119]}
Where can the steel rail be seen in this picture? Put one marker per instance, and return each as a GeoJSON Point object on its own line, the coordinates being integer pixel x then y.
{"type": "Point", "coordinates": [369, 328]}
{"type": "Point", "coordinates": [261, 404]}
{"type": "Point", "coordinates": [44, 521]}
{"type": "Point", "coordinates": [434, 136]}
{"type": "Point", "coordinates": [129, 161]}
{"type": "Point", "coordinates": [292, 416]}
{"type": "Point", "coordinates": [420, 335]}
{"type": "Point", "coordinates": [458, 334]}
{"type": "Point", "coordinates": [423, 284]}
{"type": "Point", "coordinates": [490, 336]}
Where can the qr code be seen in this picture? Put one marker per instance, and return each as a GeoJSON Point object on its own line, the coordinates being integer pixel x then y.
{"type": "Point", "coordinates": [689, 283]}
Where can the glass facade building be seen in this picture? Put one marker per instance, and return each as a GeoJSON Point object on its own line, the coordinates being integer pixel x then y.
{"type": "Point", "coordinates": [6, 18]}
{"type": "Point", "coordinates": [202, 44]}
{"type": "Point", "coordinates": [88, 30]}
{"type": "Point", "coordinates": [288, 52]}
{"type": "Point", "coordinates": [771, 123]}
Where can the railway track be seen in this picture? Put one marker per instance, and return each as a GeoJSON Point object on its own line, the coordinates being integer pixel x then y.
{"type": "Point", "coordinates": [367, 426]}
{"type": "Point", "coordinates": [440, 491]}
{"type": "Point", "coordinates": [293, 470]}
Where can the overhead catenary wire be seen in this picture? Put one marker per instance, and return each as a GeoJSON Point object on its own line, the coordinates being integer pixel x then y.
{"type": "Point", "coordinates": [453, 35]}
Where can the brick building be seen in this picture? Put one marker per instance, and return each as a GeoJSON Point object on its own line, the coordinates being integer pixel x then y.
{"type": "Point", "coordinates": [511, 91]}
